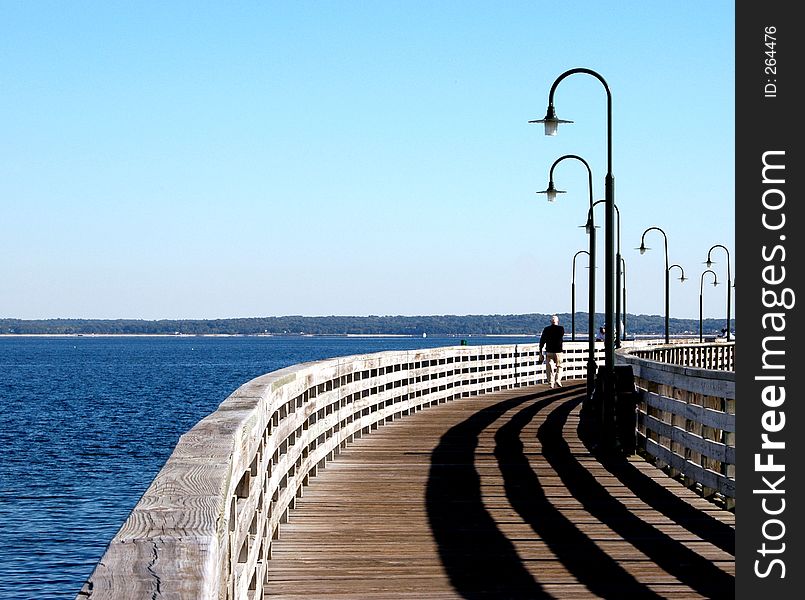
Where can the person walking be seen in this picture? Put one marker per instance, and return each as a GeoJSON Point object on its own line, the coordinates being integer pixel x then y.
{"type": "Point", "coordinates": [551, 339]}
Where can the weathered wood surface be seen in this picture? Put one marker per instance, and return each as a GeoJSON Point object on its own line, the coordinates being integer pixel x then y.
{"type": "Point", "coordinates": [693, 412]}
{"type": "Point", "coordinates": [719, 356]}
{"type": "Point", "coordinates": [204, 527]}
{"type": "Point", "coordinates": [686, 413]}
{"type": "Point", "coordinates": [494, 496]}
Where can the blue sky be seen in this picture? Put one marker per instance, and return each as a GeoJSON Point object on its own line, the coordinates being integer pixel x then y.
{"type": "Point", "coordinates": [236, 159]}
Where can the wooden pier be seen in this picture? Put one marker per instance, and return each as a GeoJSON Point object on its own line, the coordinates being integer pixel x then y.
{"type": "Point", "coordinates": [495, 496]}
{"type": "Point", "coordinates": [436, 473]}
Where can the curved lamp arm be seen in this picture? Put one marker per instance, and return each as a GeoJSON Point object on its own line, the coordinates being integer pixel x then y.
{"type": "Point", "coordinates": [574, 263]}
{"type": "Point", "coordinates": [552, 123]}
{"type": "Point", "coordinates": [701, 282]}
{"type": "Point", "coordinates": [682, 277]}
{"type": "Point", "coordinates": [709, 262]}
{"type": "Point", "coordinates": [551, 191]}
{"type": "Point", "coordinates": [643, 246]}
{"type": "Point", "coordinates": [618, 226]}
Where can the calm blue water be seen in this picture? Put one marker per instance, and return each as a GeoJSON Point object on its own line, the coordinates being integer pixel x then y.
{"type": "Point", "coordinates": [88, 422]}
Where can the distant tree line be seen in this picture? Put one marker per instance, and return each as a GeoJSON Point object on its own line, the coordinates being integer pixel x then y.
{"type": "Point", "coordinates": [344, 325]}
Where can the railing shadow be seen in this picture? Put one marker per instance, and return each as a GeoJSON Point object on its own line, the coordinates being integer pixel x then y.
{"type": "Point", "coordinates": [663, 500]}
{"type": "Point", "coordinates": [686, 565]}
{"type": "Point", "coordinates": [479, 560]}
{"type": "Point", "coordinates": [579, 554]}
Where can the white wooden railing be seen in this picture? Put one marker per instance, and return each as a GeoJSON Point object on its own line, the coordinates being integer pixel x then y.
{"type": "Point", "coordinates": [204, 527]}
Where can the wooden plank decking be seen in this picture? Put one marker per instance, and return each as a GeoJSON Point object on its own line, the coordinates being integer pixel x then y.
{"type": "Point", "coordinates": [494, 496]}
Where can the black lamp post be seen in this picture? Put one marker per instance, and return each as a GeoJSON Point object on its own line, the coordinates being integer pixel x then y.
{"type": "Point", "coordinates": [573, 296]}
{"type": "Point", "coordinates": [551, 193]}
{"type": "Point", "coordinates": [551, 125]}
{"type": "Point", "coordinates": [709, 264]}
{"type": "Point", "coordinates": [618, 261]}
{"type": "Point", "coordinates": [701, 294]}
{"type": "Point", "coordinates": [643, 249]}
{"type": "Point", "coordinates": [623, 291]}
{"type": "Point", "coordinates": [682, 277]}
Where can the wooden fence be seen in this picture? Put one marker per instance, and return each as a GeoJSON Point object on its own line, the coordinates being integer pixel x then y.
{"type": "Point", "coordinates": [686, 414]}
{"type": "Point", "coordinates": [714, 356]}
{"type": "Point", "coordinates": [204, 527]}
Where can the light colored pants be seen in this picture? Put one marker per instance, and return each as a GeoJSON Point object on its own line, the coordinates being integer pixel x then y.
{"type": "Point", "coordinates": [553, 367]}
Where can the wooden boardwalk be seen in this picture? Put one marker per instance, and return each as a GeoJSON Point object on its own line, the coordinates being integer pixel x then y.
{"type": "Point", "coordinates": [494, 496]}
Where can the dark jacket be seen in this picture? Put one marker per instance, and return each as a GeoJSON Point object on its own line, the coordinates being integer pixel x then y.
{"type": "Point", "coordinates": [551, 338]}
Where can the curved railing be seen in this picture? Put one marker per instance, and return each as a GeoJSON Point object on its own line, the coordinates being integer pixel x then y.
{"type": "Point", "coordinates": [204, 527]}
{"type": "Point", "coordinates": [686, 413]}
{"type": "Point", "coordinates": [719, 356]}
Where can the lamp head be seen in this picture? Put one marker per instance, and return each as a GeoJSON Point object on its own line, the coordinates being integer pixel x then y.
{"type": "Point", "coordinates": [550, 121]}
{"type": "Point", "coordinates": [551, 192]}
{"type": "Point", "coordinates": [682, 278]}
{"type": "Point", "coordinates": [709, 263]}
{"type": "Point", "coordinates": [642, 248]}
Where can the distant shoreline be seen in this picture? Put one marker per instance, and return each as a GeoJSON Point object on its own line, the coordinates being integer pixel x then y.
{"type": "Point", "coordinates": [534, 337]}
{"type": "Point", "coordinates": [449, 326]}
